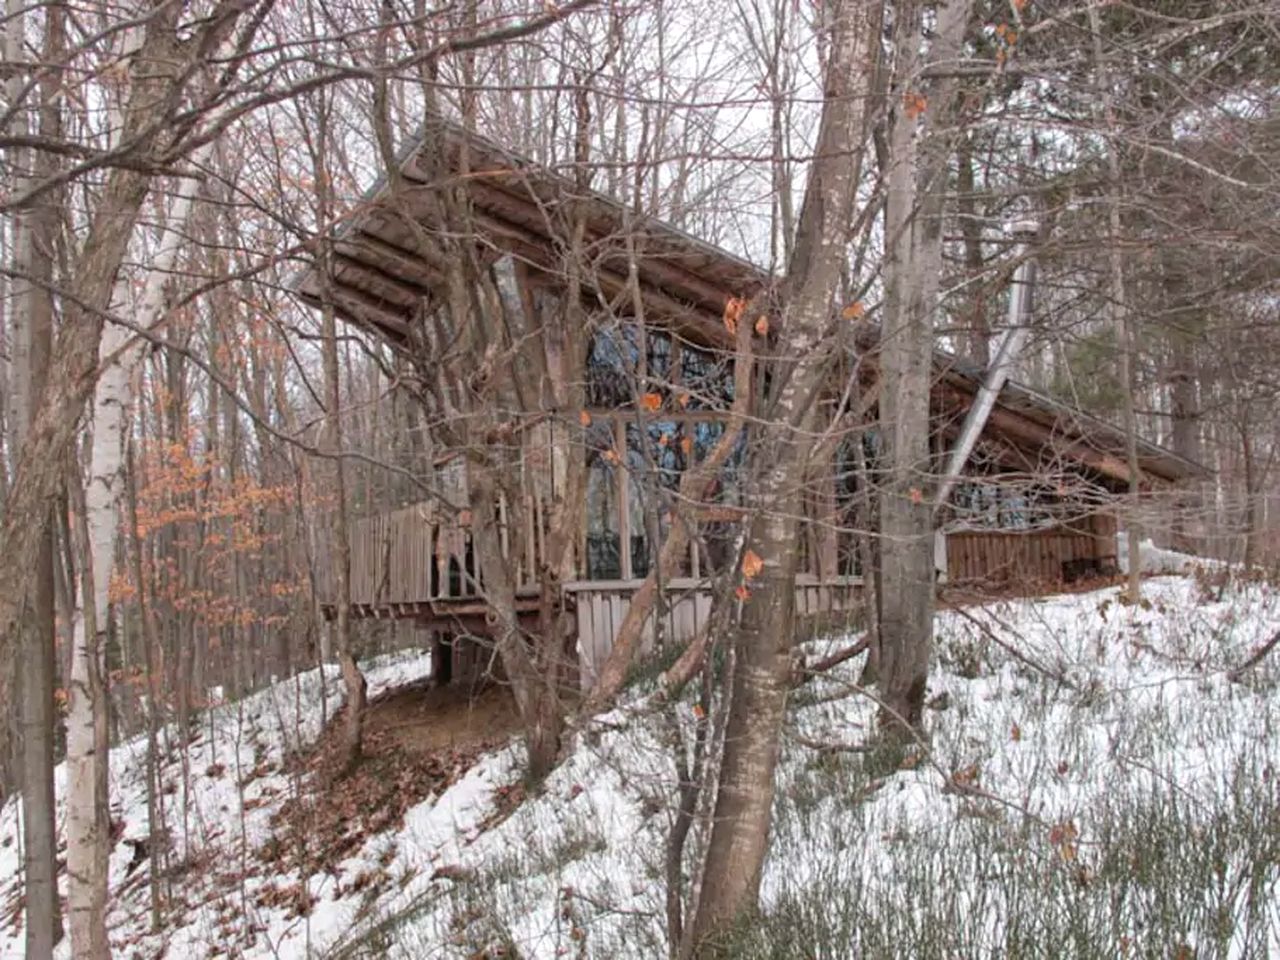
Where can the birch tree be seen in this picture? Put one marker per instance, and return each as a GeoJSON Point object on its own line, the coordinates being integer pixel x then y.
{"type": "Point", "coordinates": [119, 353]}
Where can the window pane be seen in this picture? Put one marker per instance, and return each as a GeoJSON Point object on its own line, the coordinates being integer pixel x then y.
{"type": "Point", "coordinates": [604, 556]}
{"type": "Point", "coordinates": [707, 378]}
{"type": "Point", "coordinates": [611, 365]}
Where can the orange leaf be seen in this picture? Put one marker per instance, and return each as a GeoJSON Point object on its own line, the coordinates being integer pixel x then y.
{"type": "Point", "coordinates": [914, 104]}
{"type": "Point", "coordinates": [698, 712]}
{"type": "Point", "coordinates": [742, 593]}
{"type": "Point", "coordinates": [683, 400]}
{"type": "Point", "coordinates": [762, 325]}
{"type": "Point", "coordinates": [1015, 733]}
{"type": "Point", "coordinates": [611, 456]}
{"type": "Point", "coordinates": [752, 564]}
{"type": "Point", "coordinates": [854, 311]}
{"type": "Point", "coordinates": [686, 444]}
{"type": "Point", "coordinates": [663, 439]}
{"type": "Point", "coordinates": [916, 495]}
{"type": "Point", "coordinates": [651, 402]}
{"type": "Point", "coordinates": [584, 418]}
{"type": "Point", "coordinates": [733, 308]}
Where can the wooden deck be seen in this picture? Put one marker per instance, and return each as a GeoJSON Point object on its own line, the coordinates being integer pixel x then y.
{"type": "Point", "coordinates": [410, 564]}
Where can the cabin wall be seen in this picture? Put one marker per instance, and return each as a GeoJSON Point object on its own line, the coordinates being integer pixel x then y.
{"type": "Point", "coordinates": [1054, 555]}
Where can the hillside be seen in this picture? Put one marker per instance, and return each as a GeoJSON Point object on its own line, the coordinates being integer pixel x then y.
{"type": "Point", "coordinates": [1096, 785]}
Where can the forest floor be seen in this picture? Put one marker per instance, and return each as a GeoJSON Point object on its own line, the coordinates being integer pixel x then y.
{"type": "Point", "coordinates": [1095, 783]}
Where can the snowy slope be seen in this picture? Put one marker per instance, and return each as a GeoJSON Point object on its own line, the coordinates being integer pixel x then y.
{"type": "Point", "coordinates": [1054, 717]}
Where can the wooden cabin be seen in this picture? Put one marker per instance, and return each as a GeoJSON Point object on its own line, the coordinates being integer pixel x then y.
{"type": "Point", "coordinates": [1032, 508]}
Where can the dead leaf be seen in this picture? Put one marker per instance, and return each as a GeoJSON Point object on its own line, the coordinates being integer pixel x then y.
{"type": "Point", "coordinates": [762, 325]}
{"type": "Point", "coordinates": [686, 444]}
{"type": "Point", "coordinates": [651, 402]}
{"type": "Point", "coordinates": [752, 564]}
{"type": "Point", "coordinates": [742, 593]}
{"type": "Point", "coordinates": [1063, 836]}
{"type": "Point", "coordinates": [584, 418]}
{"type": "Point", "coordinates": [854, 311]}
{"type": "Point", "coordinates": [733, 308]}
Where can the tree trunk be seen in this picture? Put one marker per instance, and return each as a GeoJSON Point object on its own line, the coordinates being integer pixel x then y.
{"type": "Point", "coordinates": [1250, 525]}
{"type": "Point", "coordinates": [1120, 314]}
{"type": "Point", "coordinates": [913, 268]}
{"type": "Point", "coordinates": [977, 334]}
{"type": "Point", "coordinates": [762, 647]}
{"type": "Point", "coordinates": [35, 235]}
{"type": "Point", "coordinates": [86, 747]}
{"type": "Point", "coordinates": [352, 678]}
{"type": "Point", "coordinates": [1184, 413]}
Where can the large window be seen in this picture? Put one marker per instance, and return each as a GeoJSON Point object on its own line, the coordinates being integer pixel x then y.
{"type": "Point", "coordinates": [653, 403]}
{"type": "Point", "coordinates": [1004, 503]}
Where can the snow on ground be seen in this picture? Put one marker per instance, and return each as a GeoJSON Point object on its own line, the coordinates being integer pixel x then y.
{"type": "Point", "coordinates": [1158, 560]}
{"type": "Point", "coordinates": [1065, 712]}
{"type": "Point", "coordinates": [215, 826]}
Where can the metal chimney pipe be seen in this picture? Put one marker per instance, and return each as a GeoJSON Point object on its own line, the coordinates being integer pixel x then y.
{"type": "Point", "coordinates": [1010, 346]}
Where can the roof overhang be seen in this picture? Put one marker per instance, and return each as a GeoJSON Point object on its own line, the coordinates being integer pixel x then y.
{"type": "Point", "coordinates": [385, 269]}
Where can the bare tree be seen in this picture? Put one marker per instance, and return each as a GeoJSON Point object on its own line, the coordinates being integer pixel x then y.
{"type": "Point", "coordinates": [803, 348]}
{"type": "Point", "coordinates": [923, 95]}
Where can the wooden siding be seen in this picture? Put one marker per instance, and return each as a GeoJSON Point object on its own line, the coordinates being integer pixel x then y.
{"type": "Point", "coordinates": [1029, 556]}
{"type": "Point", "coordinates": [407, 556]}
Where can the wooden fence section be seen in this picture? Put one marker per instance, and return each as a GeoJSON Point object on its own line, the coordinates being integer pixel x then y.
{"type": "Point", "coordinates": [1053, 555]}
{"type": "Point", "coordinates": [602, 605]}
{"type": "Point", "coordinates": [408, 556]}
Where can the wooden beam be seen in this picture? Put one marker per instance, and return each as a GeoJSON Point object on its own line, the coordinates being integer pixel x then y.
{"type": "Point", "coordinates": [356, 306]}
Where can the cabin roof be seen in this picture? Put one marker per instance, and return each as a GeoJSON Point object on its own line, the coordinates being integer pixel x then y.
{"type": "Point", "coordinates": [383, 272]}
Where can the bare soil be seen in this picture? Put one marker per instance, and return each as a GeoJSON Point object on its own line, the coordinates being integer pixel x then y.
{"type": "Point", "coordinates": [418, 740]}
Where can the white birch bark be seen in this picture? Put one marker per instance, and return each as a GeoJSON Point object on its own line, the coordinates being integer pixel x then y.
{"type": "Point", "coordinates": [119, 353]}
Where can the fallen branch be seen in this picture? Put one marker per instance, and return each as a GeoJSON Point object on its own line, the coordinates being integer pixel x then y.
{"type": "Point", "coordinates": [1014, 652]}
{"type": "Point", "coordinates": [1237, 673]}
{"type": "Point", "coordinates": [825, 746]}
{"type": "Point", "coordinates": [810, 670]}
